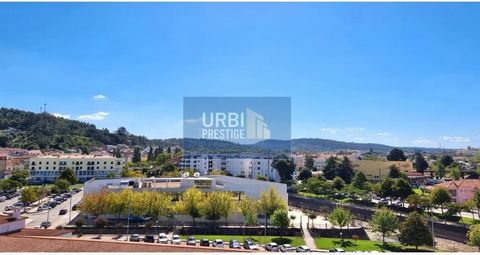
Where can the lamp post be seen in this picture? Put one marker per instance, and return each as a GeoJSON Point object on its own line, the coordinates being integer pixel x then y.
{"type": "Point", "coordinates": [48, 217]}
{"type": "Point", "coordinates": [128, 221]}
{"type": "Point", "coordinates": [156, 225]}
{"type": "Point", "coordinates": [70, 214]}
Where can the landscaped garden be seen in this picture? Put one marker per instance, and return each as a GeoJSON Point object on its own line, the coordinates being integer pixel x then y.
{"type": "Point", "coordinates": [364, 245]}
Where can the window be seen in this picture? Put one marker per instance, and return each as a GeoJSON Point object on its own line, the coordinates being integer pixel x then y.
{"type": "Point", "coordinates": [203, 184]}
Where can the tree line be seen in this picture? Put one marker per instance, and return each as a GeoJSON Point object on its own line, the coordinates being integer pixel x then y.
{"type": "Point", "coordinates": [211, 205]}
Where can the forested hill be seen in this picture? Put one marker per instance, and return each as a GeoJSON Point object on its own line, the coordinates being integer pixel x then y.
{"type": "Point", "coordinates": [42, 130]}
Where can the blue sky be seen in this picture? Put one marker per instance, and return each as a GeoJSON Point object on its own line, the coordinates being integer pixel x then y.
{"type": "Point", "coordinates": [393, 73]}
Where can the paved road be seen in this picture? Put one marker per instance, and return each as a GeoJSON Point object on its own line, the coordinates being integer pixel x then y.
{"type": "Point", "coordinates": [7, 203]}
{"type": "Point", "coordinates": [35, 219]}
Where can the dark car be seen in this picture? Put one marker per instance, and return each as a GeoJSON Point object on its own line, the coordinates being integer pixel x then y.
{"type": "Point", "coordinates": [74, 207]}
{"type": "Point", "coordinates": [63, 212]}
{"type": "Point", "coordinates": [204, 242]}
{"type": "Point", "coordinates": [45, 224]}
{"type": "Point", "coordinates": [149, 239]}
{"type": "Point", "coordinates": [234, 244]}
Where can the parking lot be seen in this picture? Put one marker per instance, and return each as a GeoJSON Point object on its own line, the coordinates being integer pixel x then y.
{"type": "Point", "coordinates": [170, 239]}
{"type": "Point", "coordinates": [36, 216]}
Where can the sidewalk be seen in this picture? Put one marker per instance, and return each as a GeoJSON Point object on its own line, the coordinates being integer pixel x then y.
{"type": "Point", "coordinates": [309, 241]}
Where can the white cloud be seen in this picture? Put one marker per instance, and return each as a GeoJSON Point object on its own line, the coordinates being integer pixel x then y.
{"type": "Point", "coordinates": [459, 139]}
{"type": "Point", "coordinates": [99, 97]}
{"type": "Point", "coordinates": [192, 121]}
{"type": "Point", "coordinates": [423, 141]}
{"type": "Point", "coordinates": [330, 130]}
{"type": "Point", "coordinates": [59, 115]}
{"type": "Point", "coordinates": [384, 134]}
{"type": "Point", "coordinates": [94, 116]}
{"type": "Point", "coordinates": [342, 130]}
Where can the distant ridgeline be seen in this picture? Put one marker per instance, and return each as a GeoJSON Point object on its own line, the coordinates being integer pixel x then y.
{"type": "Point", "coordinates": [42, 130]}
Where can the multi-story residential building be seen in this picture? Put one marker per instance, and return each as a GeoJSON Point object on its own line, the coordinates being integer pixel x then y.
{"type": "Point", "coordinates": [461, 190]}
{"type": "Point", "coordinates": [377, 170]}
{"type": "Point", "coordinates": [248, 167]}
{"type": "Point", "coordinates": [48, 168]}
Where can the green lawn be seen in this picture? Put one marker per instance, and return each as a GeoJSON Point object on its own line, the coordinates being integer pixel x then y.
{"type": "Point", "coordinates": [418, 191]}
{"type": "Point", "coordinates": [469, 221]}
{"type": "Point", "coordinates": [292, 240]}
{"type": "Point", "coordinates": [363, 245]}
{"type": "Point", "coordinates": [51, 185]}
{"type": "Point", "coordinates": [305, 194]}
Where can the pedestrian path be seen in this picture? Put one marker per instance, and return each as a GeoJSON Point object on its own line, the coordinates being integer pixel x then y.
{"type": "Point", "coordinates": [309, 241]}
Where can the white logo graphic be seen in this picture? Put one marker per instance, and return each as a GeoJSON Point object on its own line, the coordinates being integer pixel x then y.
{"type": "Point", "coordinates": [256, 127]}
{"type": "Point", "coordinates": [233, 125]}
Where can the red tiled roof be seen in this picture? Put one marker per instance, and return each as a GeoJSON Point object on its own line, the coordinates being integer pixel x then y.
{"type": "Point", "coordinates": [18, 243]}
{"type": "Point", "coordinates": [465, 183]}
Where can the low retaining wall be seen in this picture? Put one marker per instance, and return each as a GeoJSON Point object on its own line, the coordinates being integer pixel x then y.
{"type": "Point", "coordinates": [346, 233]}
{"type": "Point", "coordinates": [271, 231]}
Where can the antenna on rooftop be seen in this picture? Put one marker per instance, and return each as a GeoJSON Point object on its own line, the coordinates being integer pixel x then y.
{"type": "Point", "coordinates": [44, 107]}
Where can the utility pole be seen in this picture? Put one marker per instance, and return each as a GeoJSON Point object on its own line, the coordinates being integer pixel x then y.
{"type": "Point", "coordinates": [48, 217]}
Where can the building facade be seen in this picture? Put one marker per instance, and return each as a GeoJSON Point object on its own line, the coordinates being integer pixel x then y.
{"type": "Point", "coordinates": [377, 170]}
{"type": "Point", "coordinates": [248, 167]}
{"type": "Point", "coordinates": [461, 190]}
{"type": "Point", "coordinates": [45, 169]}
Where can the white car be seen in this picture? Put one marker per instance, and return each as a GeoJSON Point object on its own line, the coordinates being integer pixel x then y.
{"type": "Point", "coordinates": [176, 239]}
{"type": "Point", "coordinates": [218, 243]}
{"type": "Point", "coordinates": [271, 247]}
{"type": "Point", "coordinates": [162, 238]}
{"type": "Point", "coordinates": [286, 248]}
{"type": "Point", "coordinates": [303, 248]}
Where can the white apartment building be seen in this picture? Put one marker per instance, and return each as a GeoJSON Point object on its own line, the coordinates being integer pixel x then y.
{"type": "Point", "coordinates": [47, 168]}
{"type": "Point", "coordinates": [248, 167]}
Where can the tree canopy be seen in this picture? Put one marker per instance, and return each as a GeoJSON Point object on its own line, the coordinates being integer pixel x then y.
{"type": "Point", "coordinates": [396, 155]}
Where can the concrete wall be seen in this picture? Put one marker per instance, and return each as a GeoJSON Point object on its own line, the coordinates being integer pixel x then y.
{"type": "Point", "coordinates": [12, 226]}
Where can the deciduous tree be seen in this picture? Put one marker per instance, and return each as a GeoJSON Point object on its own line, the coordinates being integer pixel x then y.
{"type": "Point", "coordinates": [385, 222]}
{"type": "Point", "coordinates": [415, 231]}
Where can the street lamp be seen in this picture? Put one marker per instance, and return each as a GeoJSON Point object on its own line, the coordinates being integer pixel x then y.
{"type": "Point", "coordinates": [128, 220]}
{"type": "Point", "coordinates": [48, 217]}
{"type": "Point", "coordinates": [156, 225]}
{"type": "Point", "coordinates": [70, 214]}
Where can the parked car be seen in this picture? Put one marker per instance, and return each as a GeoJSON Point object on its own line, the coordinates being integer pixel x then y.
{"type": "Point", "coordinates": [218, 243]}
{"type": "Point", "coordinates": [8, 208]}
{"type": "Point", "coordinates": [234, 244]}
{"type": "Point", "coordinates": [162, 238]}
{"type": "Point", "coordinates": [62, 212]}
{"type": "Point", "coordinates": [176, 239]}
{"type": "Point", "coordinates": [337, 250]}
{"type": "Point", "coordinates": [135, 238]}
{"type": "Point", "coordinates": [149, 239]}
{"type": "Point", "coordinates": [74, 207]}
{"type": "Point", "coordinates": [204, 242]}
{"type": "Point", "coordinates": [303, 248]}
{"type": "Point", "coordinates": [191, 241]}
{"type": "Point", "coordinates": [250, 245]}
{"type": "Point", "coordinates": [45, 224]}
{"type": "Point", "coordinates": [11, 195]}
{"type": "Point", "coordinates": [286, 248]}
{"type": "Point", "coordinates": [271, 247]}
{"type": "Point", "coordinates": [44, 207]}
{"type": "Point", "coordinates": [3, 198]}
{"type": "Point", "coordinates": [18, 204]}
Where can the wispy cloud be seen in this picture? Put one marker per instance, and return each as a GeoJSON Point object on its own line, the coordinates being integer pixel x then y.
{"type": "Point", "coordinates": [192, 121]}
{"type": "Point", "coordinates": [423, 141]}
{"type": "Point", "coordinates": [59, 115]}
{"type": "Point", "coordinates": [342, 130]}
{"type": "Point", "coordinates": [99, 97]}
{"type": "Point", "coordinates": [458, 139]}
{"type": "Point", "coordinates": [384, 134]}
{"type": "Point", "coordinates": [94, 116]}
